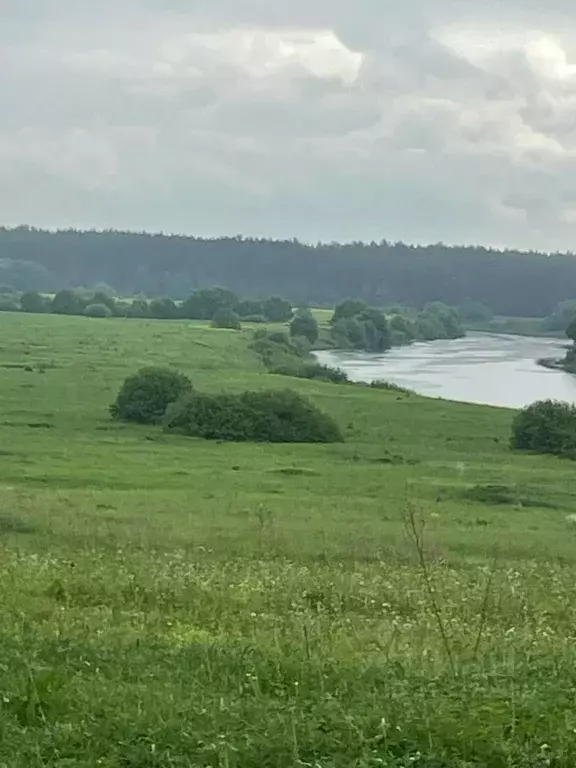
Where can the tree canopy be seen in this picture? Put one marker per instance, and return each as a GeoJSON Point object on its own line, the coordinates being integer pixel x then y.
{"type": "Point", "coordinates": [509, 282]}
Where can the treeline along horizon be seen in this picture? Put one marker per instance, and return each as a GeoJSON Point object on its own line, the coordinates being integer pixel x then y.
{"type": "Point", "coordinates": [513, 283]}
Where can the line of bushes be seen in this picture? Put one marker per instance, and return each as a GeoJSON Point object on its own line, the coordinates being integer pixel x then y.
{"type": "Point", "coordinates": [290, 356]}
{"type": "Point", "coordinates": [163, 396]}
{"type": "Point", "coordinates": [355, 325]}
{"type": "Point", "coordinates": [224, 308]}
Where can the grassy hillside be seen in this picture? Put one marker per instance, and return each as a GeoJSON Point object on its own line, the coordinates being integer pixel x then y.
{"type": "Point", "coordinates": [168, 602]}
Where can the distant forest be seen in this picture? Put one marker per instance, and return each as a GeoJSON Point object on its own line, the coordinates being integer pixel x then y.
{"type": "Point", "coordinates": [510, 283]}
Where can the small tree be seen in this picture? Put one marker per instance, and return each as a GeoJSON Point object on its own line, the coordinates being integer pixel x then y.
{"type": "Point", "coordinates": [98, 310]}
{"type": "Point", "coordinates": [305, 325]}
{"type": "Point", "coordinates": [138, 308]}
{"type": "Point", "coordinates": [250, 308]}
{"type": "Point", "coordinates": [163, 309]}
{"type": "Point", "coordinates": [33, 302]}
{"type": "Point", "coordinates": [348, 309]}
{"type": "Point", "coordinates": [546, 426]}
{"type": "Point", "coordinates": [402, 330]}
{"type": "Point", "coordinates": [205, 303]}
{"type": "Point", "coordinates": [145, 395]}
{"type": "Point", "coordinates": [447, 317]}
{"type": "Point", "coordinates": [226, 318]}
{"type": "Point", "coordinates": [108, 301]}
{"type": "Point", "coordinates": [67, 302]}
{"type": "Point", "coordinates": [277, 310]}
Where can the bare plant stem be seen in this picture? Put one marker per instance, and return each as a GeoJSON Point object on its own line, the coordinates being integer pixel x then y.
{"type": "Point", "coordinates": [484, 610]}
{"type": "Point", "coordinates": [415, 530]}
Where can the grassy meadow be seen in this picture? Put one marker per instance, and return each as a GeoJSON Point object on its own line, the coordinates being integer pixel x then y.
{"type": "Point", "coordinates": [405, 598]}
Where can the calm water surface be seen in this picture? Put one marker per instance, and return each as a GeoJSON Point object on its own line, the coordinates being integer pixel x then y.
{"type": "Point", "coordinates": [494, 369]}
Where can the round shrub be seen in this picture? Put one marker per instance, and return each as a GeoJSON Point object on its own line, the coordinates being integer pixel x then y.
{"type": "Point", "coordinates": [98, 310]}
{"type": "Point", "coordinates": [34, 302]}
{"type": "Point", "coordinates": [546, 426]}
{"type": "Point", "coordinates": [267, 416]}
{"type": "Point", "coordinates": [226, 318]}
{"type": "Point", "coordinates": [305, 326]}
{"type": "Point", "coordinates": [145, 396]}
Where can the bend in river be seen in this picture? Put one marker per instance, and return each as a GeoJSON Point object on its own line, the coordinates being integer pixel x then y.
{"type": "Point", "coordinates": [493, 369]}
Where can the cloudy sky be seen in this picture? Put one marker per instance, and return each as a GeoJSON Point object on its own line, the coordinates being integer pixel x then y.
{"type": "Point", "coordinates": [420, 120]}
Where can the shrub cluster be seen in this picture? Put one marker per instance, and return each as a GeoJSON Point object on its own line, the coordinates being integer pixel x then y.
{"type": "Point", "coordinates": [153, 395]}
{"type": "Point", "coordinates": [224, 308]}
{"type": "Point", "coordinates": [145, 396]}
{"type": "Point", "coordinates": [355, 325]}
{"type": "Point", "coordinates": [275, 416]}
{"type": "Point", "coordinates": [312, 370]}
{"type": "Point", "coordinates": [546, 426]}
{"type": "Point", "coordinates": [290, 356]}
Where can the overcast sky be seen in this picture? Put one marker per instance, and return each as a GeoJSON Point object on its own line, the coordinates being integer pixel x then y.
{"type": "Point", "coordinates": [420, 120]}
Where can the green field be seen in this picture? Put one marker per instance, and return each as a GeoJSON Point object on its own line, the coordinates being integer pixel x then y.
{"type": "Point", "coordinates": [171, 602]}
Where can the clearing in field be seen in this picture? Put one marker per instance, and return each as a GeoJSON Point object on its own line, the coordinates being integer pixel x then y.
{"type": "Point", "coordinates": [404, 598]}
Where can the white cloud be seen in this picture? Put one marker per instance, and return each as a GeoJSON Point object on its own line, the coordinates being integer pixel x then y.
{"type": "Point", "coordinates": [450, 121]}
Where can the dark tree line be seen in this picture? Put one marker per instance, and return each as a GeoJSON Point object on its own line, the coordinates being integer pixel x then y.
{"type": "Point", "coordinates": [510, 282]}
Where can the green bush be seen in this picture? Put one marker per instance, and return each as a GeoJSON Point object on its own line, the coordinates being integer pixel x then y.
{"type": "Point", "coordinates": [163, 309]}
{"type": "Point", "coordinates": [546, 426]}
{"type": "Point", "coordinates": [391, 386]}
{"type": "Point", "coordinates": [277, 350]}
{"type": "Point", "coordinates": [498, 495]}
{"type": "Point", "coordinates": [266, 416]}
{"type": "Point", "coordinates": [226, 318]}
{"type": "Point", "coordinates": [34, 302]}
{"type": "Point", "coordinates": [98, 310]}
{"type": "Point", "coordinates": [138, 308]}
{"type": "Point", "coordinates": [367, 330]}
{"type": "Point", "coordinates": [206, 302]}
{"type": "Point", "coordinates": [67, 302]}
{"type": "Point", "coordinates": [145, 396]}
{"type": "Point", "coordinates": [277, 310]}
{"type": "Point", "coordinates": [305, 326]}
{"type": "Point", "coordinates": [313, 371]}
{"type": "Point", "coordinates": [348, 309]}
{"type": "Point", "coordinates": [402, 331]}
{"type": "Point", "coordinates": [103, 298]}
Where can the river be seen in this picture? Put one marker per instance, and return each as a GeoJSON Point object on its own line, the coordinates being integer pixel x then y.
{"type": "Point", "coordinates": [494, 369]}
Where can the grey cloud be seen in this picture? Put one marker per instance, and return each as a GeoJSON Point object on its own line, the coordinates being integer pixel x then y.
{"type": "Point", "coordinates": [315, 119]}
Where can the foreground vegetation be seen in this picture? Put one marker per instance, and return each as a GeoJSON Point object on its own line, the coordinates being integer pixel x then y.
{"type": "Point", "coordinates": [403, 598]}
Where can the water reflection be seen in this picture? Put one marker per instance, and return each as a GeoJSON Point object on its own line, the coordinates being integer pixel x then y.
{"type": "Point", "coordinates": [494, 369]}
